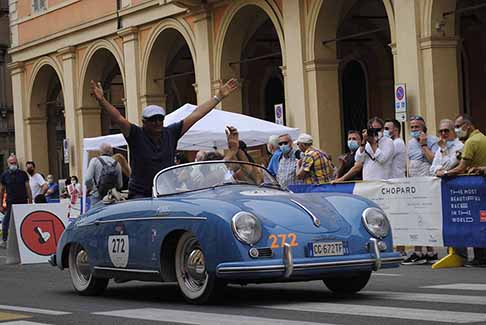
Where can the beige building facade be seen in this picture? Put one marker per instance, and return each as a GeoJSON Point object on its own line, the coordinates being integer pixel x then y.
{"type": "Point", "coordinates": [7, 133]}
{"type": "Point", "coordinates": [332, 63]}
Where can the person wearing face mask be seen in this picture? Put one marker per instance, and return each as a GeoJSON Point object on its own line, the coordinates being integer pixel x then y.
{"type": "Point", "coordinates": [286, 171]}
{"type": "Point", "coordinates": [421, 148]}
{"type": "Point", "coordinates": [74, 189]}
{"type": "Point", "coordinates": [446, 157]}
{"type": "Point", "coordinates": [473, 155]}
{"type": "Point", "coordinates": [350, 170]}
{"type": "Point", "coordinates": [38, 184]}
{"type": "Point", "coordinates": [399, 160]}
{"type": "Point", "coordinates": [421, 151]}
{"type": "Point", "coordinates": [52, 194]}
{"type": "Point", "coordinates": [375, 152]}
{"type": "Point", "coordinates": [15, 182]}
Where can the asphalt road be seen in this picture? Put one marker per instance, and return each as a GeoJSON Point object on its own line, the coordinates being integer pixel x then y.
{"type": "Point", "coordinates": [40, 294]}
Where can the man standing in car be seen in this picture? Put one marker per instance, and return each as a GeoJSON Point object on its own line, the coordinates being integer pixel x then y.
{"type": "Point", "coordinates": [153, 146]}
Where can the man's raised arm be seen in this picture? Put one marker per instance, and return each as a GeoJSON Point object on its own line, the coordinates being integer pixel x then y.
{"type": "Point", "coordinates": [206, 107]}
{"type": "Point", "coordinates": [115, 115]}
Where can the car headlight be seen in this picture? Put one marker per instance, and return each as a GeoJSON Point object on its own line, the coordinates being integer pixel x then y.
{"type": "Point", "coordinates": [246, 227]}
{"type": "Point", "coordinates": [376, 222]}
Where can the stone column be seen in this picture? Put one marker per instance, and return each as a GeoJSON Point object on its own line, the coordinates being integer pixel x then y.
{"type": "Point", "coordinates": [89, 122]}
{"type": "Point", "coordinates": [296, 102]}
{"type": "Point", "coordinates": [132, 73]}
{"type": "Point", "coordinates": [17, 71]}
{"type": "Point", "coordinates": [441, 84]}
{"type": "Point", "coordinates": [204, 48]}
{"type": "Point", "coordinates": [146, 100]}
{"type": "Point", "coordinates": [408, 61]}
{"type": "Point", "coordinates": [36, 141]}
{"type": "Point", "coordinates": [68, 56]}
{"type": "Point", "coordinates": [324, 105]}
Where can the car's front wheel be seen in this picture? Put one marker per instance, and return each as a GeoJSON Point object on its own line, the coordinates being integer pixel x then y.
{"type": "Point", "coordinates": [81, 277]}
{"type": "Point", "coordinates": [348, 284]}
{"type": "Point", "coordinates": [196, 284]}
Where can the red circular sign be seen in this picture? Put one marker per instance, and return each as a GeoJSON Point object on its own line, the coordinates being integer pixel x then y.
{"type": "Point", "coordinates": [40, 232]}
{"type": "Point", "coordinates": [400, 93]}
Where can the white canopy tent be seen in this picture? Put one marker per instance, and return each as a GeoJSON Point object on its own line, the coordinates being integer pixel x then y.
{"type": "Point", "coordinates": [93, 144]}
{"type": "Point", "coordinates": [208, 133]}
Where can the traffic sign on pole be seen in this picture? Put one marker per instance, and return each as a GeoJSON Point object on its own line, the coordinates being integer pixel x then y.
{"type": "Point", "coordinates": [400, 102]}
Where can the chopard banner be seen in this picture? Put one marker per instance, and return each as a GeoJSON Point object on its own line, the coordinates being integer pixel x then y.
{"type": "Point", "coordinates": [425, 211]}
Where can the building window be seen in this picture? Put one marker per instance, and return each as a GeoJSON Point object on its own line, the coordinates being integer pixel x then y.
{"type": "Point", "coordinates": [39, 5]}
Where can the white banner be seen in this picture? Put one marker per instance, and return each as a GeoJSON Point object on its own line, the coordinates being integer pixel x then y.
{"type": "Point", "coordinates": [413, 205]}
{"type": "Point", "coordinates": [35, 230]}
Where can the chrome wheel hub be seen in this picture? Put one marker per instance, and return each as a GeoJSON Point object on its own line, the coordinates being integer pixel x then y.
{"type": "Point", "coordinates": [83, 265]}
{"type": "Point", "coordinates": [196, 267]}
{"type": "Point", "coordinates": [193, 266]}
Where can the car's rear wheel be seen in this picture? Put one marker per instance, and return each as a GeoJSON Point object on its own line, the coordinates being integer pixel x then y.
{"type": "Point", "coordinates": [348, 284]}
{"type": "Point", "coordinates": [196, 284]}
{"type": "Point", "coordinates": [81, 277]}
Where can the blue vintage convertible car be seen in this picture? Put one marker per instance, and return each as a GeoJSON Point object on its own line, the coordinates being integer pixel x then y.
{"type": "Point", "coordinates": [216, 222]}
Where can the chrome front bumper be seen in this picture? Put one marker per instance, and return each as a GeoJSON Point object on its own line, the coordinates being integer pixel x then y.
{"type": "Point", "coordinates": [289, 266]}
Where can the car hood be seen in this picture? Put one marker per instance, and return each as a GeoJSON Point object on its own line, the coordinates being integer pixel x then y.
{"type": "Point", "coordinates": [279, 208]}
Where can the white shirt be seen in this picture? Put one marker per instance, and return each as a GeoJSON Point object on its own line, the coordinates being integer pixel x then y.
{"type": "Point", "coordinates": [376, 165]}
{"type": "Point", "coordinates": [399, 160]}
{"type": "Point", "coordinates": [36, 182]}
{"type": "Point", "coordinates": [446, 158]}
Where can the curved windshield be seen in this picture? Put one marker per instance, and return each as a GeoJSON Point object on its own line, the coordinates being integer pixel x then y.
{"type": "Point", "coordinates": [205, 174]}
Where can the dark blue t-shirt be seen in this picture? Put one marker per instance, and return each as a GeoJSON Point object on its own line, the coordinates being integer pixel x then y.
{"type": "Point", "coordinates": [55, 194]}
{"type": "Point", "coordinates": [148, 158]}
{"type": "Point", "coordinates": [14, 182]}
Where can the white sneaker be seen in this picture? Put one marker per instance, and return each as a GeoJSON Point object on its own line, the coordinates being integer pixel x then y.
{"type": "Point", "coordinates": [3, 244]}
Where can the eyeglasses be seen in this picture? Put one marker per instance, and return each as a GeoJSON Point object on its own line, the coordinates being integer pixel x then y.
{"type": "Point", "coordinates": [416, 118]}
{"type": "Point", "coordinates": [457, 126]}
{"type": "Point", "coordinates": [444, 131]}
{"type": "Point", "coordinates": [283, 143]}
{"type": "Point", "coordinates": [387, 128]}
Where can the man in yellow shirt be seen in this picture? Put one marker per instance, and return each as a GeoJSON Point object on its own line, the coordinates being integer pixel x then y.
{"type": "Point", "coordinates": [473, 155]}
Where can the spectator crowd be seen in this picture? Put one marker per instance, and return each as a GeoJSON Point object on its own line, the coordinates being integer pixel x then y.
{"type": "Point", "coordinates": [378, 152]}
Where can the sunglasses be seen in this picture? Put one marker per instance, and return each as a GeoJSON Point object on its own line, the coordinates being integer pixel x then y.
{"type": "Point", "coordinates": [458, 126]}
{"type": "Point", "coordinates": [283, 143]}
{"type": "Point", "coordinates": [444, 131]}
{"type": "Point", "coordinates": [155, 119]}
{"type": "Point", "coordinates": [416, 118]}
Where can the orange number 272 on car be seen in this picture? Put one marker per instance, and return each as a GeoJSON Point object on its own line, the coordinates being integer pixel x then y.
{"type": "Point", "coordinates": [280, 240]}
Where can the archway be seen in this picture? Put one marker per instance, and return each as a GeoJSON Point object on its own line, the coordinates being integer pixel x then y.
{"type": "Point", "coordinates": [254, 54]}
{"type": "Point", "coordinates": [471, 28]}
{"type": "Point", "coordinates": [170, 75]}
{"type": "Point", "coordinates": [274, 94]}
{"type": "Point", "coordinates": [103, 67]}
{"type": "Point", "coordinates": [367, 89]}
{"type": "Point", "coordinates": [354, 96]}
{"type": "Point", "coordinates": [349, 38]}
{"type": "Point", "coordinates": [46, 119]}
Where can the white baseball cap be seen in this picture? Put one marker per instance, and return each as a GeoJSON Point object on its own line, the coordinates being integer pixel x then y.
{"type": "Point", "coordinates": [153, 110]}
{"type": "Point", "coordinates": [305, 138]}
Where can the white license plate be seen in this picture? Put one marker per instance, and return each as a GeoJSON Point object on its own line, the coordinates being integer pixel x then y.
{"type": "Point", "coordinates": [334, 248]}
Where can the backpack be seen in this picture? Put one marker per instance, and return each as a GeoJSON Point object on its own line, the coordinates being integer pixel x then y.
{"type": "Point", "coordinates": [108, 177]}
